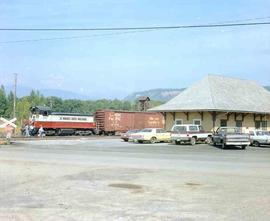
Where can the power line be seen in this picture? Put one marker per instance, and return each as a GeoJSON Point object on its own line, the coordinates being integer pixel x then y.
{"type": "Point", "coordinates": [73, 37]}
{"type": "Point", "coordinates": [139, 28]}
{"type": "Point", "coordinates": [243, 20]}
{"type": "Point", "coordinates": [120, 31]}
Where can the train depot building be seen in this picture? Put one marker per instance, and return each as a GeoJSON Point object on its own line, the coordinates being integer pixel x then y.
{"type": "Point", "coordinates": [219, 101]}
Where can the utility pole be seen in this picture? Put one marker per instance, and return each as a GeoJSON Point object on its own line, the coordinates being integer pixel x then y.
{"type": "Point", "coordinates": [51, 103]}
{"type": "Point", "coordinates": [15, 94]}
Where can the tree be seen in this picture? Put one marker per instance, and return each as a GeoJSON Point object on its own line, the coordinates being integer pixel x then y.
{"type": "Point", "coordinates": [3, 102]}
{"type": "Point", "coordinates": [55, 103]}
{"type": "Point", "coordinates": [126, 105]}
{"type": "Point", "coordinates": [23, 106]}
{"type": "Point", "coordinates": [35, 98]}
{"type": "Point", "coordinates": [10, 100]}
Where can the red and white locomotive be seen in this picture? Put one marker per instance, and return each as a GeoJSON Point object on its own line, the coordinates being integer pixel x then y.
{"type": "Point", "coordinates": [55, 123]}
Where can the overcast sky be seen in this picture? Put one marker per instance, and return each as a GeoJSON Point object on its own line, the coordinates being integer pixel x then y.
{"type": "Point", "coordinates": [112, 66]}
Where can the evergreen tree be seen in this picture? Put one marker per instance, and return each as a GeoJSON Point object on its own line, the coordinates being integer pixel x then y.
{"type": "Point", "coordinates": [3, 102]}
{"type": "Point", "coordinates": [10, 100]}
{"type": "Point", "coordinates": [59, 105]}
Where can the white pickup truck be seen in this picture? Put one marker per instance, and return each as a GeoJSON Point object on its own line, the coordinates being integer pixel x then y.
{"type": "Point", "coordinates": [230, 136]}
{"type": "Point", "coordinates": [189, 133]}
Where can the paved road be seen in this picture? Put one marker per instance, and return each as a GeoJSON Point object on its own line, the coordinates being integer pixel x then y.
{"type": "Point", "coordinates": [106, 179]}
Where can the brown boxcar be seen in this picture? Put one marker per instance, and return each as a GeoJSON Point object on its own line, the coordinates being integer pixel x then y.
{"type": "Point", "coordinates": [115, 121]}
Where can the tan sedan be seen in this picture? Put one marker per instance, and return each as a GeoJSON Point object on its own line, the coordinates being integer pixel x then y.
{"type": "Point", "coordinates": [152, 135]}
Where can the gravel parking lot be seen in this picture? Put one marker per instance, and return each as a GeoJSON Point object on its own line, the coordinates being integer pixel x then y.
{"type": "Point", "coordinates": [107, 179]}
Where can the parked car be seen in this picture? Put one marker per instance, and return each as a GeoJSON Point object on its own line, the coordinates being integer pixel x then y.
{"type": "Point", "coordinates": [259, 137]}
{"type": "Point", "coordinates": [126, 136]}
{"type": "Point", "coordinates": [189, 133]}
{"type": "Point", "coordinates": [230, 136]}
{"type": "Point", "coordinates": [152, 135]}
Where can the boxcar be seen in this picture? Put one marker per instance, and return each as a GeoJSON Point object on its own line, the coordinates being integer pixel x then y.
{"type": "Point", "coordinates": [111, 122]}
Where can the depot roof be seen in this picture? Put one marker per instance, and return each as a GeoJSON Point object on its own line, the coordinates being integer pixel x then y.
{"type": "Point", "coordinates": [220, 93]}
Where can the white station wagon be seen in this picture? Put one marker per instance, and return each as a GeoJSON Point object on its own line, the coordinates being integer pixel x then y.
{"type": "Point", "coordinates": [259, 137]}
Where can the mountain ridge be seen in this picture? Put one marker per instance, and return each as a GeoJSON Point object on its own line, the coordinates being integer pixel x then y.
{"type": "Point", "coordinates": [161, 94]}
{"type": "Point", "coordinates": [158, 94]}
{"type": "Point", "coordinates": [25, 91]}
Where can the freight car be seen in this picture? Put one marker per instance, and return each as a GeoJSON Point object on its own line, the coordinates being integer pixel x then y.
{"type": "Point", "coordinates": [112, 122]}
{"type": "Point", "coordinates": [61, 123]}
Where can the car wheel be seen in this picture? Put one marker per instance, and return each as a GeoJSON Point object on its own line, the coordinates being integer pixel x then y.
{"type": "Point", "coordinates": [244, 147]}
{"type": "Point", "coordinates": [177, 142]}
{"type": "Point", "coordinates": [140, 141]}
{"type": "Point", "coordinates": [256, 143]}
{"type": "Point", "coordinates": [58, 132]}
{"type": "Point", "coordinates": [223, 145]}
{"type": "Point", "coordinates": [153, 140]}
{"type": "Point", "coordinates": [193, 141]}
{"type": "Point", "coordinates": [209, 140]}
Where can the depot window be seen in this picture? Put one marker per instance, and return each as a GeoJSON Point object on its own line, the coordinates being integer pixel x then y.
{"type": "Point", "coordinates": [261, 125]}
{"type": "Point", "coordinates": [197, 121]}
{"type": "Point", "coordinates": [178, 121]}
{"type": "Point", "coordinates": [238, 123]}
{"type": "Point", "coordinates": [223, 123]}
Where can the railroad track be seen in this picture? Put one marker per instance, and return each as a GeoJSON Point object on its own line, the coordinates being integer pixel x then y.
{"type": "Point", "coordinates": [18, 138]}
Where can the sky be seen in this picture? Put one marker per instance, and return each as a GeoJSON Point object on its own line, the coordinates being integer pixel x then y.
{"type": "Point", "coordinates": [110, 65]}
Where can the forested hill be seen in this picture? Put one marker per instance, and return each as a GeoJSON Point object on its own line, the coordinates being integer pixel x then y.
{"type": "Point", "coordinates": [57, 104]}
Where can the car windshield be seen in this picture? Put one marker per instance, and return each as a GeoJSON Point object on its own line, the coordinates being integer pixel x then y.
{"type": "Point", "coordinates": [260, 133]}
{"type": "Point", "coordinates": [266, 133]}
{"type": "Point", "coordinates": [193, 128]}
{"type": "Point", "coordinates": [132, 131]}
{"type": "Point", "coordinates": [201, 127]}
{"type": "Point", "coordinates": [146, 130]}
{"type": "Point", "coordinates": [179, 128]}
{"type": "Point", "coordinates": [161, 131]}
{"type": "Point", "coordinates": [229, 130]}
